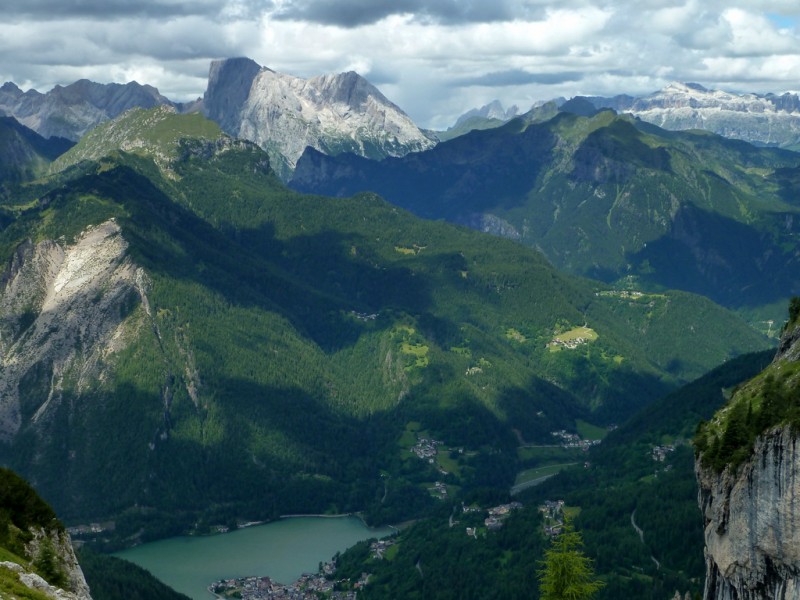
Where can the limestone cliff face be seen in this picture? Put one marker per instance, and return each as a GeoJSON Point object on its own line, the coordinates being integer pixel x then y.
{"type": "Point", "coordinates": [63, 308]}
{"type": "Point", "coordinates": [75, 586]}
{"type": "Point", "coordinates": [752, 515]}
{"type": "Point", "coordinates": [752, 523]}
{"type": "Point", "coordinates": [285, 114]}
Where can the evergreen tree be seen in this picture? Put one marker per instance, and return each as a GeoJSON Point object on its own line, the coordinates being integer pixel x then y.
{"type": "Point", "coordinates": [794, 309]}
{"type": "Point", "coordinates": [567, 574]}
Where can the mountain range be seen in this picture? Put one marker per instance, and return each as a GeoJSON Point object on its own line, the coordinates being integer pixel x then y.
{"type": "Point", "coordinates": [70, 111]}
{"type": "Point", "coordinates": [345, 113]}
{"type": "Point", "coordinates": [281, 113]}
{"type": "Point", "coordinates": [762, 119]}
{"type": "Point", "coordinates": [769, 119]}
{"type": "Point", "coordinates": [606, 196]}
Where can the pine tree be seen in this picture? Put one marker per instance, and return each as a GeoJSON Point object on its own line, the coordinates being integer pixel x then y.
{"type": "Point", "coordinates": [566, 573]}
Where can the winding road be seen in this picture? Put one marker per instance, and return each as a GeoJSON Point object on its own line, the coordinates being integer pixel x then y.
{"type": "Point", "coordinates": [641, 537]}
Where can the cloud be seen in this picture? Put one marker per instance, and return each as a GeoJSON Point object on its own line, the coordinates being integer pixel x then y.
{"type": "Point", "coordinates": [517, 77]}
{"type": "Point", "coordinates": [355, 13]}
{"type": "Point", "coordinates": [110, 10]}
{"type": "Point", "coordinates": [434, 58]}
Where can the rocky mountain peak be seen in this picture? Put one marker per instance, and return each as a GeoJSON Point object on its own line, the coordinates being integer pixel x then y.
{"type": "Point", "coordinates": [348, 88]}
{"type": "Point", "coordinates": [229, 83]}
{"type": "Point", "coordinates": [10, 88]}
{"type": "Point", "coordinates": [284, 114]}
{"type": "Point", "coordinates": [493, 110]}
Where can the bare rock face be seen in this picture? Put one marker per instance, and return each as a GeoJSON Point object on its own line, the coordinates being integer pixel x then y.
{"type": "Point", "coordinates": [63, 308]}
{"type": "Point", "coordinates": [752, 525]}
{"type": "Point", "coordinates": [761, 119]}
{"type": "Point", "coordinates": [36, 583]}
{"type": "Point", "coordinates": [285, 114]}
{"type": "Point", "coordinates": [64, 555]}
{"type": "Point", "coordinates": [752, 514]}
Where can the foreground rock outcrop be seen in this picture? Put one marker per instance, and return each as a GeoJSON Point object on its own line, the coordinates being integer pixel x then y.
{"type": "Point", "coordinates": [37, 550]}
{"type": "Point", "coordinates": [750, 510]}
{"type": "Point", "coordinates": [752, 525]}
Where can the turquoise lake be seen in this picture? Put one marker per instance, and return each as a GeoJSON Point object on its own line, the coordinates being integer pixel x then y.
{"type": "Point", "coordinates": [283, 550]}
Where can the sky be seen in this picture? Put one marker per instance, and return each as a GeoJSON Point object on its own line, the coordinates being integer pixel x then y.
{"type": "Point", "coordinates": [435, 59]}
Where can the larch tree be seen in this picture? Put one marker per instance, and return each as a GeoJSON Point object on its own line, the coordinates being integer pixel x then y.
{"type": "Point", "coordinates": [566, 573]}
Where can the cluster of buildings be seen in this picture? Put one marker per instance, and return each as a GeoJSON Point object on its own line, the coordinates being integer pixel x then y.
{"type": "Point", "coordinates": [364, 316]}
{"type": "Point", "coordinates": [91, 528]}
{"type": "Point", "coordinates": [553, 513]}
{"type": "Point", "coordinates": [498, 514]}
{"type": "Point", "coordinates": [378, 549]}
{"type": "Point", "coordinates": [620, 294]}
{"type": "Point", "coordinates": [426, 449]}
{"type": "Point", "coordinates": [308, 587]}
{"type": "Point", "coordinates": [439, 490]}
{"type": "Point", "coordinates": [569, 344]}
{"type": "Point", "coordinates": [659, 453]}
{"type": "Point", "coordinates": [573, 440]}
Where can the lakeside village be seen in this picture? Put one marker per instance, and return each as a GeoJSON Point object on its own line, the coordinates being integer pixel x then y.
{"type": "Point", "coordinates": [321, 584]}
{"type": "Point", "coordinates": [307, 587]}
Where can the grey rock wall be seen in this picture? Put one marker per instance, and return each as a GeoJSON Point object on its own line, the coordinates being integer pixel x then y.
{"type": "Point", "coordinates": [752, 523]}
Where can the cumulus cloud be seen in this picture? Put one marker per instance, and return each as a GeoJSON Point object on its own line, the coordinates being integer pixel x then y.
{"type": "Point", "coordinates": [517, 77]}
{"type": "Point", "coordinates": [354, 13]}
{"type": "Point", "coordinates": [434, 58]}
{"type": "Point", "coordinates": [107, 9]}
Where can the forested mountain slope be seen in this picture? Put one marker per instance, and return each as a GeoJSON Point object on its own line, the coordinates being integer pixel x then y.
{"type": "Point", "coordinates": [185, 342]}
{"type": "Point", "coordinates": [609, 197]}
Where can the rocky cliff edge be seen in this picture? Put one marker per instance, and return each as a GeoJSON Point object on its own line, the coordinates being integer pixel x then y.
{"type": "Point", "coordinates": [752, 513]}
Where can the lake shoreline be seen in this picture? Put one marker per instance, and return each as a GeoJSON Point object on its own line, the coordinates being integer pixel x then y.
{"type": "Point", "coordinates": [283, 549]}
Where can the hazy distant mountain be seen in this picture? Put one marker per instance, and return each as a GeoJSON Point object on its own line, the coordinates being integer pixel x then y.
{"type": "Point", "coordinates": [761, 119]}
{"type": "Point", "coordinates": [488, 116]}
{"type": "Point", "coordinates": [493, 110]}
{"type": "Point", "coordinates": [284, 114]}
{"type": "Point", "coordinates": [24, 153]}
{"type": "Point", "coordinates": [71, 111]}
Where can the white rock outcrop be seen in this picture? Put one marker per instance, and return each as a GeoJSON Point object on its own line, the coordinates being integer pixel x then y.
{"type": "Point", "coordinates": [762, 119]}
{"type": "Point", "coordinates": [62, 312]}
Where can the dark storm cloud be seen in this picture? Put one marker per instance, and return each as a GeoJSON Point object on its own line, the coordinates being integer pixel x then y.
{"type": "Point", "coordinates": [517, 77]}
{"type": "Point", "coordinates": [352, 13]}
{"type": "Point", "coordinates": [105, 10]}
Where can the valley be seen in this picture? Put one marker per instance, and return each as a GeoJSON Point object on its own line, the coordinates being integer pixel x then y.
{"type": "Point", "coordinates": [485, 340]}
